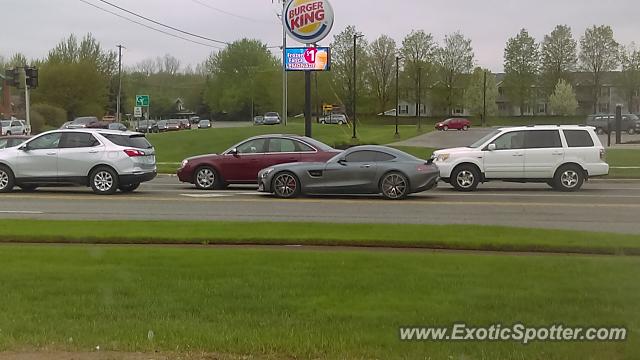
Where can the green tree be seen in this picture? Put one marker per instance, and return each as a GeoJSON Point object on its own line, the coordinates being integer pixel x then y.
{"type": "Point", "coordinates": [629, 78]}
{"type": "Point", "coordinates": [53, 116]}
{"type": "Point", "coordinates": [521, 61]}
{"type": "Point", "coordinates": [454, 59]}
{"type": "Point", "coordinates": [382, 57]}
{"type": "Point", "coordinates": [599, 53]}
{"type": "Point", "coordinates": [242, 77]}
{"type": "Point", "coordinates": [563, 100]}
{"type": "Point", "coordinates": [342, 66]}
{"type": "Point", "coordinates": [418, 50]}
{"type": "Point", "coordinates": [558, 57]}
{"type": "Point", "coordinates": [474, 96]}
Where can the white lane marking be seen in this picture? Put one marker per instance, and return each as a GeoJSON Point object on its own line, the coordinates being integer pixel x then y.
{"type": "Point", "coordinates": [537, 195]}
{"type": "Point", "coordinates": [204, 195]}
{"type": "Point", "coordinates": [625, 167]}
{"type": "Point", "coordinates": [20, 212]}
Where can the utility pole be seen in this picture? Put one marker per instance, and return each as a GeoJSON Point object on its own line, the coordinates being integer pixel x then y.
{"type": "Point", "coordinates": [119, 82]}
{"type": "Point", "coordinates": [419, 107]}
{"type": "Point", "coordinates": [397, 93]}
{"type": "Point", "coordinates": [484, 100]}
{"type": "Point", "coordinates": [355, 51]}
{"type": "Point", "coordinates": [285, 85]}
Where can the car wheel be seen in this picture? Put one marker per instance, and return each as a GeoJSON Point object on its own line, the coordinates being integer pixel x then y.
{"type": "Point", "coordinates": [340, 122]}
{"type": "Point", "coordinates": [28, 187]}
{"type": "Point", "coordinates": [206, 178]}
{"type": "Point", "coordinates": [129, 187]}
{"type": "Point", "coordinates": [7, 180]}
{"type": "Point", "coordinates": [104, 181]}
{"type": "Point", "coordinates": [569, 178]}
{"type": "Point", "coordinates": [322, 122]}
{"type": "Point", "coordinates": [631, 131]}
{"type": "Point", "coordinates": [8, 133]}
{"type": "Point", "coordinates": [465, 128]}
{"type": "Point", "coordinates": [445, 128]}
{"type": "Point", "coordinates": [599, 131]}
{"type": "Point", "coordinates": [286, 185]}
{"type": "Point", "coordinates": [465, 178]}
{"type": "Point", "coordinates": [551, 183]}
{"type": "Point", "coordinates": [394, 186]}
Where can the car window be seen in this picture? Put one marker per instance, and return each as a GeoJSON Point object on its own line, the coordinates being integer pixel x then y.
{"type": "Point", "coordinates": [277, 145]}
{"type": "Point", "coordinates": [78, 140]}
{"type": "Point", "coordinates": [578, 138]}
{"type": "Point", "coordinates": [510, 141]}
{"type": "Point", "coordinates": [4, 143]}
{"type": "Point", "coordinates": [542, 139]}
{"type": "Point", "coordinates": [47, 141]}
{"type": "Point", "coordinates": [5, 123]}
{"type": "Point", "coordinates": [362, 156]}
{"type": "Point", "coordinates": [381, 156]}
{"type": "Point", "coordinates": [252, 146]}
{"type": "Point", "coordinates": [135, 141]}
{"type": "Point", "coordinates": [16, 123]}
{"type": "Point", "coordinates": [303, 147]}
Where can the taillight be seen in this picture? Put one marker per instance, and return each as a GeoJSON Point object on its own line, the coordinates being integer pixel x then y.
{"type": "Point", "coordinates": [603, 154]}
{"type": "Point", "coordinates": [134, 153]}
{"type": "Point", "coordinates": [423, 168]}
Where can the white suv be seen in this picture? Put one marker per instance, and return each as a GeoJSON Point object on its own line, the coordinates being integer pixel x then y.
{"type": "Point", "coordinates": [105, 160]}
{"type": "Point", "coordinates": [562, 156]}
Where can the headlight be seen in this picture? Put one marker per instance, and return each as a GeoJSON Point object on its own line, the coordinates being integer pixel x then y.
{"type": "Point", "coordinates": [442, 157]}
{"type": "Point", "coordinates": [266, 172]}
{"type": "Point", "coordinates": [184, 163]}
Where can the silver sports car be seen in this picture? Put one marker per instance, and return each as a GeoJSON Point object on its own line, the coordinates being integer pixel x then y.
{"type": "Point", "coordinates": [365, 169]}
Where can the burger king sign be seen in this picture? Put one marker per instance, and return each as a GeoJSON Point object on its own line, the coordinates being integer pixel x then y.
{"type": "Point", "coordinates": [308, 21]}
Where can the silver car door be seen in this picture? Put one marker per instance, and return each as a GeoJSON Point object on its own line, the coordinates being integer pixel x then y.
{"type": "Point", "coordinates": [39, 157]}
{"type": "Point", "coordinates": [78, 153]}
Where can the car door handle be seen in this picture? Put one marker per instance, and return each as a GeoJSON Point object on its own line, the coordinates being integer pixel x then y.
{"type": "Point", "coordinates": [51, 153]}
{"type": "Point", "coordinates": [517, 155]}
{"type": "Point", "coordinates": [365, 166]}
{"type": "Point", "coordinates": [557, 153]}
{"type": "Point", "coordinates": [93, 151]}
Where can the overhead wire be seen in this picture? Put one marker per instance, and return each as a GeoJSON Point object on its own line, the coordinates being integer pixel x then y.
{"type": "Point", "coordinates": [230, 13]}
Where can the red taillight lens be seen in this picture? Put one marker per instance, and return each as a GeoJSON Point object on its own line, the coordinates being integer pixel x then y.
{"type": "Point", "coordinates": [133, 153]}
{"type": "Point", "coordinates": [422, 168]}
{"type": "Point", "coordinates": [603, 155]}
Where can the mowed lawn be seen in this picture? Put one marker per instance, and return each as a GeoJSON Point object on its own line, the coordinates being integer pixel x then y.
{"type": "Point", "coordinates": [288, 304]}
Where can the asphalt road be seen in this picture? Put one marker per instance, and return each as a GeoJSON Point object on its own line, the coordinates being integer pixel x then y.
{"type": "Point", "coordinates": [610, 206]}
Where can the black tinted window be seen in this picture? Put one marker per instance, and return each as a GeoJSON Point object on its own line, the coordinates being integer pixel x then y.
{"type": "Point", "coordinates": [78, 140]}
{"type": "Point", "coordinates": [362, 156]}
{"type": "Point", "coordinates": [134, 141]}
{"type": "Point", "coordinates": [578, 138]}
{"type": "Point", "coordinates": [385, 157]}
{"type": "Point", "coordinates": [541, 139]}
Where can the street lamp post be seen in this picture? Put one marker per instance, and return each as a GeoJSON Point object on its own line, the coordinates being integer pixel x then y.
{"type": "Point", "coordinates": [118, 111]}
{"type": "Point", "coordinates": [397, 93]}
{"type": "Point", "coordinates": [355, 51]}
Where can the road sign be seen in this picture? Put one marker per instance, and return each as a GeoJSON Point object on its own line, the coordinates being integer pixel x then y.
{"type": "Point", "coordinates": [137, 111]}
{"type": "Point", "coordinates": [142, 100]}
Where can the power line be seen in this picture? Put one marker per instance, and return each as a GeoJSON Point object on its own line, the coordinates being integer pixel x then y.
{"type": "Point", "coordinates": [161, 24]}
{"type": "Point", "coordinates": [149, 27]}
{"type": "Point", "coordinates": [230, 13]}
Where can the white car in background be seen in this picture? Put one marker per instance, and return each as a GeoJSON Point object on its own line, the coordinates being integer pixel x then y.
{"type": "Point", "coordinates": [14, 127]}
{"type": "Point", "coordinates": [561, 156]}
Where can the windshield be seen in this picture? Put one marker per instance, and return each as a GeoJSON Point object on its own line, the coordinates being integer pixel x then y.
{"type": "Point", "coordinates": [484, 139]}
{"type": "Point", "coordinates": [6, 123]}
{"type": "Point", "coordinates": [271, 114]}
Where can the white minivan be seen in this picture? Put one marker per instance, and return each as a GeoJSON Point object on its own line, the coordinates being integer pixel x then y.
{"type": "Point", "coordinates": [563, 156]}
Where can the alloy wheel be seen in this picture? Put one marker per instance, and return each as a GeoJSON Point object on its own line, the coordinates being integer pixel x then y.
{"type": "Point", "coordinates": [569, 179]}
{"type": "Point", "coordinates": [103, 181]}
{"type": "Point", "coordinates": [465, 179]}
{"type": "Point", "coordinates": [394, 186]}
{"type": "Point", "coordinates": [4, 179]}
{"type": "Point", "coordinates": [206, 178]}
{"type": "Point", "coordinates": [285, 185]}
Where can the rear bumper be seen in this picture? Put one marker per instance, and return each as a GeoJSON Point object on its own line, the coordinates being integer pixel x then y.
{"type": "Point", "coordinates": [137, 178]}
{"type": "Point", "coordinates": [594, 170]}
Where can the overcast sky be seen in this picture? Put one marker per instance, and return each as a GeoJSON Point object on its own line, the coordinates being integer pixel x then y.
{"type": "Point", "coordinates": [35, 26]}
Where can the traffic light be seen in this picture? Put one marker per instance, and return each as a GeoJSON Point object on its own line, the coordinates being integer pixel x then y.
{"type": "Point", "coordinates": [12, 77]}
{"type": "Point", "coordinates": [32, 77]}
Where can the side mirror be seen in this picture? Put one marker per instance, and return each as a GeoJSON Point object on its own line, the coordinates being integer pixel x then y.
{"type": "Point", "coordinates": [24, 147]}
{"type": "Point", "coordinates": [234, 151]}
{"type": "Point", "coordinates": [342, 161]}
{"type": "Point", "coordinates": [491, 147]}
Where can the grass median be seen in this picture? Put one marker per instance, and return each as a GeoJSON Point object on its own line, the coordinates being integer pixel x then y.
{"type": "Point", "coordinates": [279, 304]}
{"type": "Point", "coordinates": [468, 237]}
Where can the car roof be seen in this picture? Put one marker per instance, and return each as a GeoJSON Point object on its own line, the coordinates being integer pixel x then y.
{"type": "Point", "coordinates": [546, 127]}
{"type": "Point", "coordinates": [98, 130]}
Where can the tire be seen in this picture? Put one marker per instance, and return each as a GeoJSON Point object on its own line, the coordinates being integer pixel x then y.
{"type": "Point", "coordinates": [600, 131]}
{"type": "Point", "coordinates": [569, 178]}
{"type": "Point", "coordinates": [129, 187]}
{"type": "Point", "coordinates": [465, 128]}
{"type": "Point", "coordinates": [322, 122]}
{"type": "Point", "coordinates": [7, 180]}
{"type": "Point", "coordinates": [394, 186]}
{"type": "Point", "coordinates": [285, 185]}
{"type": "Point", "coordinates": [207, 178]}
{"type": "Point", "coordinates": [104, 181]}
{"type": "Point", "coordinates": [340, 122]}
{"type": "Point", "coordinates": [551, 183]}
{"type": "Point", "coordinates": [28, 187]}
{"type": "Point", "coordinates": [8, 133]}
{"type": "Point", "coordinates": [465, 178]}
{"type": "Point", "coordinates": [445, 128]}
{"type": "Point", "coordinates": [631, 131]}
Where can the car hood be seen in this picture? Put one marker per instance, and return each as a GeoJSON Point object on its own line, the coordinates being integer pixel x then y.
{"type": "Point", "coordinates": [299, 165]}
{"type": "Point", "coordinates": [453, 150]}
{"type": "Point", "coordinates": [201, 157]}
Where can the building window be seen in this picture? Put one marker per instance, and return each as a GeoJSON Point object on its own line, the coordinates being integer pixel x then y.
{"type": "Point", "coordinates": [404, 109]}
{"type": "Point", "coordinates": [542, 108]}
{"type": "Point", "coordinates": [458, 111]}
{"type": "Point", "coordinates": [502, 106]}
{"type": "Point", "coordinates": [423, 109]}
{"type": "Point", "coordinates": [500, 91]}
{"type": "Point", "coordinates": [603, 108]}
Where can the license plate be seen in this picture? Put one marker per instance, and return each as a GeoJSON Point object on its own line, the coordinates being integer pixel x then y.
{"type": "Point", "coordinates": [148, 159]}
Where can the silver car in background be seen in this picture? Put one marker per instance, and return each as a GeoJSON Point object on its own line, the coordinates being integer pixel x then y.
{"type": "Point", "coordinates": [271, 118]}
{"type": "Point", "coordinates": [365, 169]}
{"type": "Point", "coordinates": [105, 160]}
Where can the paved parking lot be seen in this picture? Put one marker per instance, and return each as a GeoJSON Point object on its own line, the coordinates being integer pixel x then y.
{"type": "Point", "coordinates": [610, 206]}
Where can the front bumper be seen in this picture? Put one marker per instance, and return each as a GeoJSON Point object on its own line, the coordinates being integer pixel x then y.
{"type": "Point", "coordinates": [128, 179]}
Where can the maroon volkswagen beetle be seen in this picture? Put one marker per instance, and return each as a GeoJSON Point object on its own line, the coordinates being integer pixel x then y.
{"type": "Point", "coordinates": [241, 163]}
{"type": "Point", "coordinates": [454, 123]}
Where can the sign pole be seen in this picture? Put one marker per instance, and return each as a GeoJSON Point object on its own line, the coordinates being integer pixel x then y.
{"type": "Point", "coordinates": [307, 102]}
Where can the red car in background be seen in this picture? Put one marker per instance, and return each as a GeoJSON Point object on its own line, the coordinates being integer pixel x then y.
{"type": "Point", "coordinates": [454, 123]}
{"type": "Point", "coordinates": [241, 163]}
